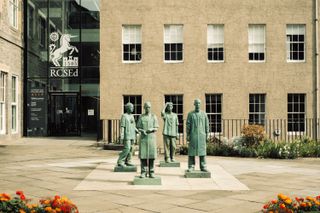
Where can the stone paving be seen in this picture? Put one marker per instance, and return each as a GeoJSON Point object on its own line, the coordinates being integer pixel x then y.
{"type": "Point", "coordinates": [82, 171]}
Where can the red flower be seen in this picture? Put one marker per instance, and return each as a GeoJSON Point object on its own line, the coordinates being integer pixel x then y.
{"type": "Point", "coordinates": [56, 197]}
{"type": "Point", "coordinates": [22, 197]}
{"type": "Point", "coordinates": [19, 192]}
{"type": "Point", "coordinates": [282, 206]}
{"type": "Point", "coordinates": [274, 201]}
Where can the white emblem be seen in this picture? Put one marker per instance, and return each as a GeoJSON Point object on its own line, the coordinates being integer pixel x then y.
{"type": "Point", "coordinates": [57, 53]}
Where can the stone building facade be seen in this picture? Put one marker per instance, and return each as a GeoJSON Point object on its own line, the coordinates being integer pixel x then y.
{"type": "Point", "coordinates": [11, 69]}
{"type": "Point", "coordinates": [251, 60]}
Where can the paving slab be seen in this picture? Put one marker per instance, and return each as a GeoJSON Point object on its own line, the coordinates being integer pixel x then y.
{"type": "Point", "coordinates": [103, 178]}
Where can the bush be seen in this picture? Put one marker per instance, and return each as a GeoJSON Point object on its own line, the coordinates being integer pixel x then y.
{"type": "Point", "coordinates": [304, 147]}
{"type": "Point", "coordinates": [247, 152]}
{"type": "Point", "coordinates": [20, 204]}
{"type": "Point", "coordinates": [284, 204]}
{"type": "Point", "coordinates": [215, 149]}
{"type": "Point", "coordinates": [253, 135]}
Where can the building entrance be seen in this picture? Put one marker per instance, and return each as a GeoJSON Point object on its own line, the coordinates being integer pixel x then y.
{"type": "Point", "coordinates": [64, 114]}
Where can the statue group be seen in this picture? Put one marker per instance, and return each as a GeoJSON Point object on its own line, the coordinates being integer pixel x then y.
{"type": "Point", "coordinates": [197, 128]}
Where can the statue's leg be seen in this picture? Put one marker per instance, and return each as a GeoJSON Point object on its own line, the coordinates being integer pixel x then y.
{"type": "Point", "coordinates": [124, 153]}
{"type": "Point", "coordinates": [151, 168]}
{"type": "Point", "coordinates": [129, 156]}
{"type": "Point", "coordinates": [143, 168]}
{"type": "Point", "coordinates": [173, 147]}
{"type": "Point", "coordinates": [191, 163]}
{"type": "Point", "coordinates": [166, 142]}
{"type": "Point", "coordinates": [203, 165]}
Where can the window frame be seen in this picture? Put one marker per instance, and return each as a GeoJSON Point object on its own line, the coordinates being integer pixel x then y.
{"type": "Point", "coordinates": [14, 103]}
{"type": "Point", "coordinates": [288, 45]}
{"type": "Point", "coordinates": [13, 10]}
{"type": "Point", "coordinates": [223, 44]}
{"type": "Point", "coordinates": [3, 103]}
{"type": "Point", "coordinates": [264, 43]}
{"type": "Point", "coordinates": [264, 95]}
{"type": "Point", "coordinates": [31, 5]}
{"type": "Point", "coordinates": [122, 44]}
{"type": "Point", "coordinates": [304, 113]}
{"type": "Point", "coordinates": [41, 15]}
{"type": "Point", "coordinates": [164, 43]}
{"type": "Point", "coordinates": [214, 113]}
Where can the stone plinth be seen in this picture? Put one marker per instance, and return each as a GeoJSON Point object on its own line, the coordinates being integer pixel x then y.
{"type": "Point", "coordinates": [169, 164]}
{"type": "Point", "coordinates": [147, 181]}
{"type": "Point", "coordinates": [197, 174]}
{"type": "Point", "coordinates": [125, 169]}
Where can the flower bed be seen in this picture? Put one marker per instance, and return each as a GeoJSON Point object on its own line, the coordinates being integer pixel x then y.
{"type": "Point", "coordinates": [20, 204]}
{"type": "Point", "coordinates": [285, 204]}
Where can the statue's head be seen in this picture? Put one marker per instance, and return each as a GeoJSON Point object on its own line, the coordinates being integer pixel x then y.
{"type": "Point", "coordinates": [169, 106]}
{"type": "Point", "coordinates": [147, 107]}
{"type": "Point", "coordinates": [197, 104]}
{"type": "Point", "coordinates": [129, 107]}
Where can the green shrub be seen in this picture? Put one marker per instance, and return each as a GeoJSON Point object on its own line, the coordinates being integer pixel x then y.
{"type": "Point", "coordinates": [253, 135]}
{"type": "Point", "coordinates": [184, 150]}
{"type": "Point", "coordinates": [215, 149]}
{"type": "Point", "coordinates": [247, 152]}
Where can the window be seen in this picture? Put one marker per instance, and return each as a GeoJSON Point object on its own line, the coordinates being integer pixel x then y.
{"type": "Point", "coordinates": [215, 42]}
{"type": "Point", "coordinates": [177, 101]}
{"type": "Point", "coordinates": [42, 31]}
{"type": "Point", "coordinates": [296, 112]}
{"type": "Point", "coordinates": [256, 42]}
{"type": "Point", "coordinates": [296, 42]}
{"type": "Point", "coordinates": [173, 43]}
{"type": "Point", "coordinates": [131, 43]}
{"type": "Point", "coordinates": [136, 100]}
{"type": "Point", "coordinates": [14, 104]}
{"type": "Point", "coordinates": [257, 109]}
{"type": "Point", "coordinates": [30, 22]}
{"type": "Point", "coordinates": [3, 82]}
{"type": "Point", "coordinates": [13, 13]}
{"type": "Point", "coordinates": [214, 112]}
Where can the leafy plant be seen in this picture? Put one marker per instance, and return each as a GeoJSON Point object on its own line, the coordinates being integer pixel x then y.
{"type": "Point", "coordinates": [253, 135]}
{"type": "Point", "coordinates": [284, 204]}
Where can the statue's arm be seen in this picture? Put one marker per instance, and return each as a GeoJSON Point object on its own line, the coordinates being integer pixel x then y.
{"type": "Point", "coordinates": [188, 126]}
{"type": "Point", "coordinates": [207, 125]}
{"type": "Point", "coordinates": [163, 112]}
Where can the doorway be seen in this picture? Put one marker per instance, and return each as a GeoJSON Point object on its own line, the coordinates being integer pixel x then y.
{"type": "Point", "coordinates": [64, 114]}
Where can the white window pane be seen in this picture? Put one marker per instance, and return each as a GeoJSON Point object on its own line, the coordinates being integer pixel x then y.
{"type": "Point", "coordinates": [215, 34]}
{"type": "Point", "coordinates": [131, 34]}
{"type": "Point", "coordinates": [296, 29]}
{"type": "Point", "coordinates": [256, 48]}
{"type": "Point", "coordinates": [173, 34]}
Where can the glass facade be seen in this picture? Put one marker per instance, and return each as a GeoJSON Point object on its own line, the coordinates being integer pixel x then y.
{"type": "Point", "coordinates": [62, 69]}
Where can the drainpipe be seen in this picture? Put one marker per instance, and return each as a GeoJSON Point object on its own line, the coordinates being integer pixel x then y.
{"type": "Point", "coordinates": [316, 11]}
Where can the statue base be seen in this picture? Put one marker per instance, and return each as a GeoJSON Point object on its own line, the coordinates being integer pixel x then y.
{"type": "Point", "coordinates": [125, 169]}
{"type": "Point", "coordinates": [197, 174]}
{"type": "Point", "coordinates": [147, 181]}
{"type": "Point", "coordinates": [169, 164]}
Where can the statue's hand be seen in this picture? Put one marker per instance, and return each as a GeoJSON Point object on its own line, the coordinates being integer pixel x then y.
{"type": "Point", "coordinates": [144, 132]}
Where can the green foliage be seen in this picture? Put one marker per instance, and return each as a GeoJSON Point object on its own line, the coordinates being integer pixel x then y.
{"type": "Point", "coordinates": [304, 147]}
{"type": "Point", "coordinates": [252, 135]}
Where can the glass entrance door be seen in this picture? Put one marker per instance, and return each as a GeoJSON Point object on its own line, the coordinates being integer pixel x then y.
{"type": "Point", "coordinates": [64, 119]}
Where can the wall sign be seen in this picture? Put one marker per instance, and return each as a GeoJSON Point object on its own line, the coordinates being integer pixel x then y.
{"type": "Point", "coordinates": [65, 64]}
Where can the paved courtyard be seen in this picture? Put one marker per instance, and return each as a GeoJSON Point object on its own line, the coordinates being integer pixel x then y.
{"type": "Point", "coordinates": [77, 168]}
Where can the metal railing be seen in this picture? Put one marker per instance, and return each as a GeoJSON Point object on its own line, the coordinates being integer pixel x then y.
{"type": "Point", "coordinates": [275, 129]}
